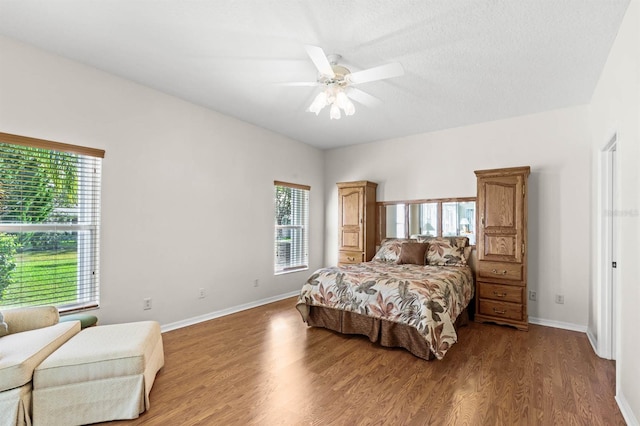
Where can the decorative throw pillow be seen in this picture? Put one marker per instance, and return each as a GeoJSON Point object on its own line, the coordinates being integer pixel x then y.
{"type": "Point", "coordinates": [413, 253]}
{"type": "Point", "coordinates": [443, 251]}
{"type": "Point", "coordinates": [467, 253]}
{"type": "Point", "coordinates": [389, 250]}
{"type": "Point", "coordinates": [4, 328]}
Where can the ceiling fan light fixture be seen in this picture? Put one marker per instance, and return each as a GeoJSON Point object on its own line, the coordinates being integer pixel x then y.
{"type": "Point", "coordinates": [334, 113]}
{"type": "Point", "coordinates": [341, 99]}
{"type": "Point", "coordinates": [319, 103]}
{"type": "Point", "coordinates": [334, 96]}
{"type": "Point", "coordinates": [349, 108]}
{"type": "Point", "coordinates": [315, 109]}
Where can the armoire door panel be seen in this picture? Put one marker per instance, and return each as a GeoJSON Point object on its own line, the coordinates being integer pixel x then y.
{"type": "Point", "coordinates": [351, 207]}
{"type": "Point", "coordinates": [502, 248]}
{"type": "Point", "coordinates": [501, 218]}
{"type": "Point", "coordinates": [500, 205]}
{"type": "Point", "coordinates": [351, 239]}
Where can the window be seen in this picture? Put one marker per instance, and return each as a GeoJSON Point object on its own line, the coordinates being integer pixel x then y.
{"type": "Point", "coordinates": [291, 227]}
{"type": "Point", "coordinates": [49, 223]}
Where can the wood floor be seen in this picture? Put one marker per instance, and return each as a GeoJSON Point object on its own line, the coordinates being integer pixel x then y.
{"type": "Point", "coordinates": [264, 366]}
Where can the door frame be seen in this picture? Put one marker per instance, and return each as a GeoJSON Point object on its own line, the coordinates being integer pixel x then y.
{"type": "Point", "coordinates": [607, 209]}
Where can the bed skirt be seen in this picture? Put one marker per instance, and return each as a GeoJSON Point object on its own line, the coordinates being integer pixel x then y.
{"type": "Point", "coordinates": [386, 333]}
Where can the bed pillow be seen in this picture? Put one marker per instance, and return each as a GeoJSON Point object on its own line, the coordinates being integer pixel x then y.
{"type": "Point", "coordinates": [455, 240]}
{"type": "Point", "coordinates": [445, 251]}
{"type": "Point", "coordinates": [4, 329]}
{"type": "Point", "coordinates": [412, 253]}
{"type": "Point", "coordinates": [389, 250]}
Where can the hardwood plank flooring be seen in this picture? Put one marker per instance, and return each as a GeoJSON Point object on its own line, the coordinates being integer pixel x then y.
{"type": "Point", "coordinates": [264, 366]}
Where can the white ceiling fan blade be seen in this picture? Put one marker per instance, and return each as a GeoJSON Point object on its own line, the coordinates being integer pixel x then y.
{"type": "Point", "coordinates": [376, 73]}
{"type": "Point", "coordinates": [320, 60]}
{"type": "Point", "coordinates": [362, 97]}
{"type": "Point", "coordinates": [300, 84]}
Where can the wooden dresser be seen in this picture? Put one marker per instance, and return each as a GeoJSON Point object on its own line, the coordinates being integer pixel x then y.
{"type": "Point", "coordinates": [356, 222]}
{"type": "Point", "coordinates": [501, 276]}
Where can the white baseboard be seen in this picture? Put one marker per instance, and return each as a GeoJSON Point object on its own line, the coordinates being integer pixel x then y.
{"type": "Point", "coordinates": [558, 324]}
{"type": "Point", "coordinates": [626, 411]}
{"type": "Point", "coordinates": [224, 312]}
{"type": "Point", "coordinates": [594, 342]}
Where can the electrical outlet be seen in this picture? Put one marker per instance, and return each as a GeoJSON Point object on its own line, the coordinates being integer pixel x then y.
{"type": "Point", "coordinates": [559, 299]}
{"type": "Point", "coordinates": [146, 303]}
{"type": "Point", "coordinates": [533, 296]}
{"type": "Point", "coordinates": [201, 294]}
{"type": "Point", "coordinates": [256, 283]}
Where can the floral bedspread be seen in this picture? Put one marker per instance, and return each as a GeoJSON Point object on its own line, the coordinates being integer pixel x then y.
{"type": "Point", "coordinates": [428, 298]}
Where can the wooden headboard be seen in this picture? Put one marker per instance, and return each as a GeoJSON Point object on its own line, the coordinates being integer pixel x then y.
{"type": "Point", "coordinates": [412, 225]}
{"type": "Point", "coordinates": [411, 204]}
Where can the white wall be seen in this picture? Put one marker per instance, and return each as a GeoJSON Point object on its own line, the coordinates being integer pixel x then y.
{"type": "Point", "coordinates": [615, 109]}
{"type": "Point", "coordinates": [435, 165]}
{"type": "Point", "coordinates": [187, 192]}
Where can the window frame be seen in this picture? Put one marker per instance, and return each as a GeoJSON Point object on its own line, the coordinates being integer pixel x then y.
{"type": "Point", "coordinates": [300, 222]}
{"type": "Point", "coordinates": [87, 225]}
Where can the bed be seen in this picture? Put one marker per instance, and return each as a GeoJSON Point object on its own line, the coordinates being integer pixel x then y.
{"type": "Point", "coordinates": [413, 294]}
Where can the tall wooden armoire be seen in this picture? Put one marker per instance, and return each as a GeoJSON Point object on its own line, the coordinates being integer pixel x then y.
{"type": "Point", "coordinates": [356, 222]}
{"type": "Point", "coordinates": [501, 276]}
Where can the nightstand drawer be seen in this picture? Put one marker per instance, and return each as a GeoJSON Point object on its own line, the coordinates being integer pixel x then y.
{"type": "Point", "coordinates": [351, 257]}
{"type": "Point", "coordinates": [501, 309]}
{"type": "Point", "coordinates": [500, 270]}
{"type": "Point", "coordinates": [506, 293]}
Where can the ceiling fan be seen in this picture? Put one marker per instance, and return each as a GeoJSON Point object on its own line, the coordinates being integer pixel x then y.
{"type": "Point", "coordinates": [338, 83]}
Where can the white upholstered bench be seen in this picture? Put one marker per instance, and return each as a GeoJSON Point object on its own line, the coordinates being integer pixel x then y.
{"type": "Point", "coordinates": [103, 373]}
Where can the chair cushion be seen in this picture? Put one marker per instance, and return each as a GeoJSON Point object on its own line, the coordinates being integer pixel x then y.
{"type": "Point", "coordinates": [4, 329]}
{"type": "Point", "coordinates": [22, 352]}
{"type": "Point", "coordinates": [86, 320]}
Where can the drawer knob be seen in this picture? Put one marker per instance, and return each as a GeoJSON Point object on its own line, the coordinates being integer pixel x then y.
{"type": "Point", "coordinates": [495, 293]}
{"type": "Point", "coordinates": [503, 272]}
{"type": "Point", "coordinates": [497, 311]}
{"type": "Point", "coordinates": [351, 258]}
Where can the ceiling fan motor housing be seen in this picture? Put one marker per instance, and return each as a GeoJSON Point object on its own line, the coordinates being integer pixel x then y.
{"type": "Point", "coordinates": [339, 78]}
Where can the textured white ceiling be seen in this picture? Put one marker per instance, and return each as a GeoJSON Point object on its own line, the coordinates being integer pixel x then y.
{"type": "Point", "coordinates": [465, 61]}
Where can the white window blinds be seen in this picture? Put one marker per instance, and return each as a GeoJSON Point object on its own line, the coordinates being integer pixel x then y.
{"type": "Point", "coordinates": [49, 223]}
{"type": "Point", "coordinates": [291, 227]}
